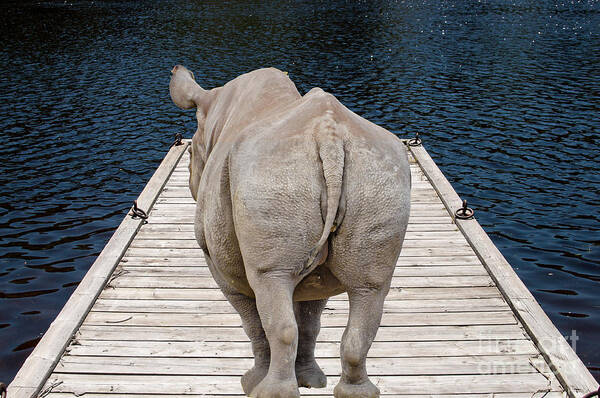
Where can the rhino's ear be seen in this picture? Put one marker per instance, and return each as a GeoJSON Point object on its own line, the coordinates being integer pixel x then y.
{"type": "Point", "coordinates": [184, 90]}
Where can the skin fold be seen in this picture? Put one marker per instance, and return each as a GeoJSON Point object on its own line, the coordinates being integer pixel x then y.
{"type": "Point", "coordinates": [298, 199]}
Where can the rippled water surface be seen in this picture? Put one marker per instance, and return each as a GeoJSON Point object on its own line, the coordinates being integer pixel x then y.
{"type": "Point", "coordinates": [506, 94]}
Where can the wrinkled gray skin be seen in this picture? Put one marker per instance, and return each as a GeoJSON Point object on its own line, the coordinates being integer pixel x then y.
{"type": "Point", "coordinates": [299, 199]}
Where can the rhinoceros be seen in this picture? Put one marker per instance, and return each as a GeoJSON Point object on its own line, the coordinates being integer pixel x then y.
{"type": "Point", "coordinates": [298, 199]}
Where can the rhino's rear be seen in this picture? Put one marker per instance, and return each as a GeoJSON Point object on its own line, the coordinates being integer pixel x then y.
{"type": "Point", "coordinates": [320, 185]}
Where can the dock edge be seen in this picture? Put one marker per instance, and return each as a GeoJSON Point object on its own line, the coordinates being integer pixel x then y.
{"type": "Point", "coordinates": [41, 362]}
{"type": "Point", "coordinates": [564, 362]}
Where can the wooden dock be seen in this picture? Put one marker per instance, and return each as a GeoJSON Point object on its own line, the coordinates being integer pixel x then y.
{"type": "Point", "coordinates": [148, 320]}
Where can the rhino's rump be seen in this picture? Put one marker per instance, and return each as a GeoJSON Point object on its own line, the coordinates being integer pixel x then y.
{"type": "Point", "coordinates": [277, 187]}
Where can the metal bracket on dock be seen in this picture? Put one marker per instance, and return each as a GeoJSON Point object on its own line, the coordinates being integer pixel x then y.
{"type": "Point", "coordinates": [137, 212]}
{"type": "Point", "coordinates": [178, 138]}
{"type": "Point", "coordinates": [415, 141]}
{"type": "Point", "coordinates": [464, 213]}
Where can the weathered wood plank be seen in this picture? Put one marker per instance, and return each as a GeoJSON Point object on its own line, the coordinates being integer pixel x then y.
{"type": "Point", "coordinates": [186, 384]}
{"type": "Point", "coordinates": [191, 206]}
{"type": "Point", "coordinates": [170, 225]}
{"type": "Point", "coordinates": [223, 307]}
{"type": "Point", "coordinates": [176, 200]}
{"type": "Point", "coordinates": [429, 237]}
{"type": "Point", "coordinates": [219, 366]}
{"type": "Point", "coordinates": [189, 219]}
{"type": "Point", "coordinates": [229, 349]}
{"type": "Point", "coordinates": [327, 334]}
{"type": "Point", "coordinates": [419, 188]}
{"type": "Point", "coordinates": [178, 182]}
{"type": "Point", "coordinates": [193, 244]}
{"type": "Point", "coordinates": [447, 260]}
{"type": "Point", "coordinates": [182, 170]}
{"type": "Point", "coordinates": [420, 293]}
{"type": "Point", "coordinates": [402, 261]}
{"type": "Point", "coordinates": [334, 319]}
{"type": "Point", "coordinates": [208, 282]}
{"type": "Point", "coordinates": [197, 253]}
{"type": "Point", "coordinates": [400, 270]}
{"type": "Point", "coordinates": [416, 195]}
{"type": "Point", "coordinates": [189, 213]}
{"type": "Point", "coordinates": [173, 192]}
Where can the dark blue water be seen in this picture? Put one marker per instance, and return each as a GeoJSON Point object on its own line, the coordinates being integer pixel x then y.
{"type": "Point", "coordinates": [506, 94]}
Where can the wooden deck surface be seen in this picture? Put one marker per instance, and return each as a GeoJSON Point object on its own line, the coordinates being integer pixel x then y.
{"type": "Point", "coordinates": [161, 327]}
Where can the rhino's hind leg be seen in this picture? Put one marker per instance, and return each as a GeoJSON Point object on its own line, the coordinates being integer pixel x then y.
{"type": "Point", "coordinates": [246, 307]}
{"type": "Point", "coordinates": [308, 318]}
{"type": "Point", "coordinates": [276, 309]}
{"type": "Point", "coordinates": [366, 307]}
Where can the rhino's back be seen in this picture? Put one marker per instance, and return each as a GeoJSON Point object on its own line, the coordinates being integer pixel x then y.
{"type": "Point", "coordinates": [288, 141]}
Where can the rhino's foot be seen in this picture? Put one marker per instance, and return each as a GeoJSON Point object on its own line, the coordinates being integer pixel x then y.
{"type": "Point", "coordinates": [363, 390]}
{"type": "Point", "coordinates": [310, 375]}
{"type": "Point", "coordinates": [270, 387]}
{"type": "Point", "coordinates": [252, 377]}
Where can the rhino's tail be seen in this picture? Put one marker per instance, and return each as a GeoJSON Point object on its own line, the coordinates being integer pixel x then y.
{"type": "Point", "coordinates": [330, 146]}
